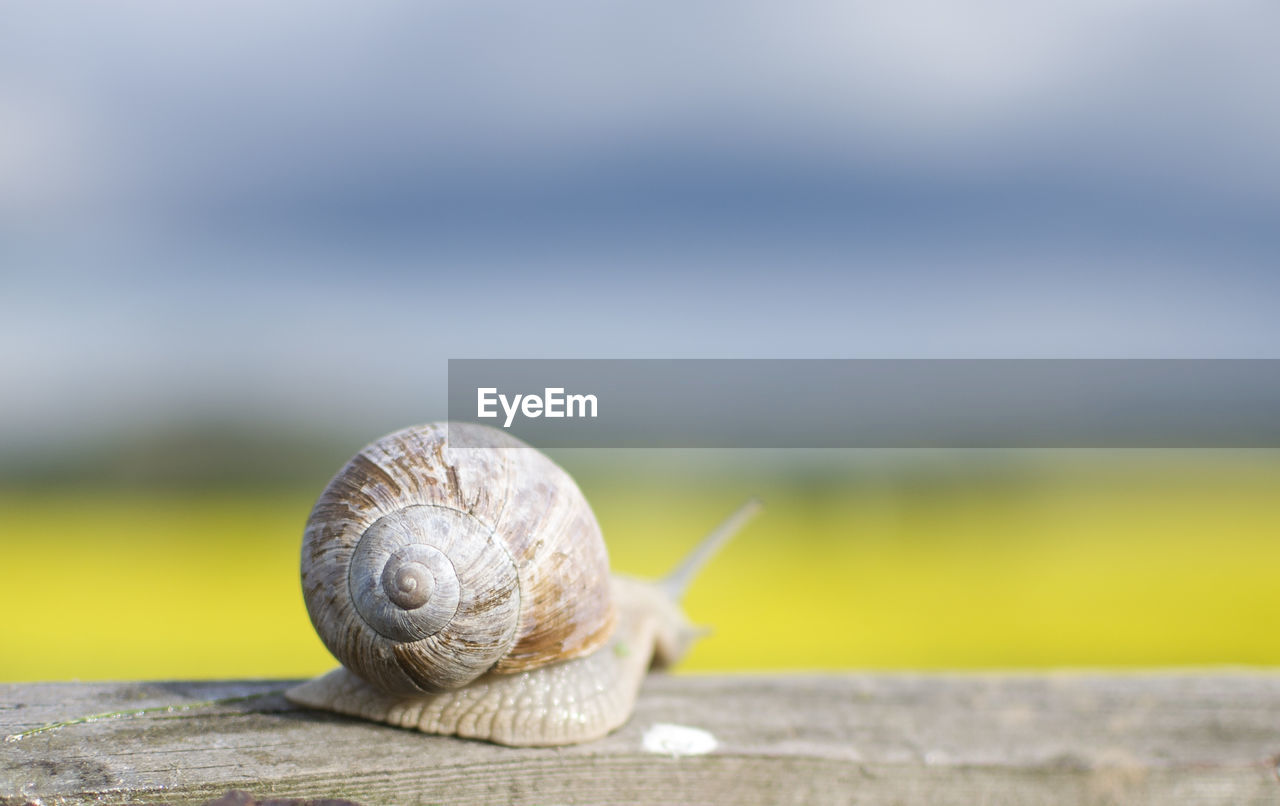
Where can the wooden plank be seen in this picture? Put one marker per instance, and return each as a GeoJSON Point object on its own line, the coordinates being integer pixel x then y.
{"type": "Point", "coordinates": [866, 739]}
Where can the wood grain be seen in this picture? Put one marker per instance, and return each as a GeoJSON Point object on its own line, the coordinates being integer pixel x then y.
{"type": "Point", "coordinates": [868, 739]}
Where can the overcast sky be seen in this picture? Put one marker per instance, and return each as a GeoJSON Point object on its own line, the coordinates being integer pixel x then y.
{"type": "Point", "coordinates": [212, 209]}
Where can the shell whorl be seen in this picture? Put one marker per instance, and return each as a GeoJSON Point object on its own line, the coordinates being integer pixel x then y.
{"type": "Point", "coordinates": [442, 552]}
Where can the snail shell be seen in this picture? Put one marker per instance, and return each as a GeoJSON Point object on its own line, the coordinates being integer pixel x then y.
{"type": "Point", "coordinates": [461, 579]}
{"type": "Point", "coordinates": [439, 553]}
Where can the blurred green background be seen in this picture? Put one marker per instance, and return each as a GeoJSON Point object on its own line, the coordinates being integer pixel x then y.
{"type": "Point", "coordinates": [178, 557]}
{"type": "Point", "coordinates": [238, 241]}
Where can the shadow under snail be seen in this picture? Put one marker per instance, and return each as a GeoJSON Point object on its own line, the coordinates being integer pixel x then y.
{"type": "Point", "coordinates": [461, 579]}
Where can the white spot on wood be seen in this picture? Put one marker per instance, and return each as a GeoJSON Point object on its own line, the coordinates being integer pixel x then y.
{"type": "Point", "coordinates": [678, 740]}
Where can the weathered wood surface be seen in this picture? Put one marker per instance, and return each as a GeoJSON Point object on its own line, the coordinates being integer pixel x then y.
{"type": "Point", "coordinates": [866, 739]}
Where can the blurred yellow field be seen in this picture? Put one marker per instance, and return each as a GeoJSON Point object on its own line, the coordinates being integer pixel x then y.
{"type": "Point", "coordinates": [1147, 563]}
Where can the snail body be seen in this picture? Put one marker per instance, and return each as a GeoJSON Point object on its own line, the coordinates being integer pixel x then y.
{"type": "Point", "coordinates": [461, 579]}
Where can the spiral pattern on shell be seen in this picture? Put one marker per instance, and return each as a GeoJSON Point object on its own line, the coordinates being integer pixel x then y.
{"type": "Point", "coordinates": [441, 552]}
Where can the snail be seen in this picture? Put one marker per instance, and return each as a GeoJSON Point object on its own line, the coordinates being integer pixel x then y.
{"type": "Point", "coordinates": [462, 581]}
